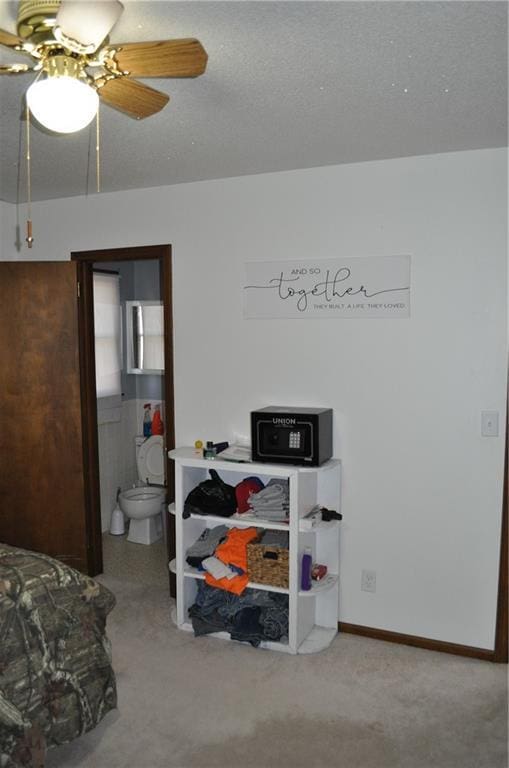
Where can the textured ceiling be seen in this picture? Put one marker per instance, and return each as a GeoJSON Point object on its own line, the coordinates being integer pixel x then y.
{"type": "Point", "coordinates": [288, 85]}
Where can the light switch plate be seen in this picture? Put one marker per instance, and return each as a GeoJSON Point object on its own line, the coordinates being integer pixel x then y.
{"type": "Point", "coordinates": [489, 423]}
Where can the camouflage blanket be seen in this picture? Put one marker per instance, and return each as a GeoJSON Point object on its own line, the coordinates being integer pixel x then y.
{"type": "Point", "coordinates": [56, 679]}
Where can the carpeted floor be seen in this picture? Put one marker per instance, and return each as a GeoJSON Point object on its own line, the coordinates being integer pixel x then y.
{"type": "Point", "coordinates": [202, 703]}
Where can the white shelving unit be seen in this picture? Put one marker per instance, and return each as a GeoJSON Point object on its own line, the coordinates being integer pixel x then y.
{"type": "Point", "coordinates": [313, 614]}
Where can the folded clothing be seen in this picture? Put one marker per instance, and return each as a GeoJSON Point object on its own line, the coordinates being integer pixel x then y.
{"type": "Point", "coordinates": [273, 501]}
{"type": "Point", "coordinates": [208, 600]}
{"type": "Point", "coordinates": [206, 545]}
{"type": "Point", "coordinates": [279, 539]}
{"type": "Point", "coordinates": [274, 514]}
{"type": "Point", "coordinates": [252, 617]}
{"type": "Point", "coordinates": [233, 552]}
{"type": "Point", "coordinates": [246, 626]}
{"type": "Point", "coordinates": [274, 621]}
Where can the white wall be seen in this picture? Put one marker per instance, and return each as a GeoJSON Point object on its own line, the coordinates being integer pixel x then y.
{"type": "Point", "coordinates": [422, 489]}
{"type": "Point", "coordinates": [117, 455]}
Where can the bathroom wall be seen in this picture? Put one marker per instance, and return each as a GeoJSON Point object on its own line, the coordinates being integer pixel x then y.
{"type": "Point", "coordinates": [120, 421]}
{"type": "Point", "coordinates": [117, 456]}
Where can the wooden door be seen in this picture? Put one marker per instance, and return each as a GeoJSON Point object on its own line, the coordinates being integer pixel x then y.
{"type": "Point", "coordinates": [42, 489]}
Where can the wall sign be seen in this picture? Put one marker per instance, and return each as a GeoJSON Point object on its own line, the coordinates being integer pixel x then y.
{"type": "Point", "coordinates": [333, 288]}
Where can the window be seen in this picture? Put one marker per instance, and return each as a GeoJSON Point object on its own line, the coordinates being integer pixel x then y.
{"type": "Point", "coordinates": [145, 337]}
{"type": "Point", "coordinates": [108, 356]}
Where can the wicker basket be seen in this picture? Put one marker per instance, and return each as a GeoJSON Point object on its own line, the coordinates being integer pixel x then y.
{"type": "Point", "coordinates": [267, 564]}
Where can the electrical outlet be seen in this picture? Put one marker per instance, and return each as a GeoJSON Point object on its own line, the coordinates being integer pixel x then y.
{"type": "Point", "coordinates": [489, 423]}
{"type": "Point", "coordinates": [368, 581]}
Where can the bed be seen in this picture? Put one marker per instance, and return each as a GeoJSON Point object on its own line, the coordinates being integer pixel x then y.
{"type": "Point", "coordinates": [56, 678]}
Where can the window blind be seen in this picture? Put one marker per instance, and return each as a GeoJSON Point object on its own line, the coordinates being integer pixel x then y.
{"type": "Point", "coordinates": [107, 319]}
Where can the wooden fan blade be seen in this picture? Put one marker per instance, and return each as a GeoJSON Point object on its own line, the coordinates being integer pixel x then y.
{"type": "Point", "coordinates": [11, 41]}
{"type": "Point", "coordinates": [166, 58]}
{"type": "Point", "coordinates": [134, 98]}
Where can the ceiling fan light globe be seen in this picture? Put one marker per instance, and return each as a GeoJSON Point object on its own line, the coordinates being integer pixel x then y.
{"type": "Point", "coordinates": [84, 25]}
{"type": "Point", "coordinates": [62, 104]}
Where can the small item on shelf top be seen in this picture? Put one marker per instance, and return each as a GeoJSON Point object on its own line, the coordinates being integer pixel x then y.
{"type": "Point", "coordinates": [209, 452]}
{"type": "Point", "coordinates": [237, 453]}
{"type": "Point", "coordinates": [316, 515]}
{"type": "Point", "coordinates": [198, 448]}
{"type": "Point", "coordinates": [313, 518]}
{"type": "Point", "coordinates": [318, 571]}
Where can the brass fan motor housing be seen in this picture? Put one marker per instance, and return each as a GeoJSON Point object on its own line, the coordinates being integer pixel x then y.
{"type": "Point", "coordinates": [36, 19]}
{"type": "Point", "coordinates": [60, 65]}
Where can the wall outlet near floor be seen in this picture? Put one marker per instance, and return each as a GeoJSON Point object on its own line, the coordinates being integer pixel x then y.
{"type": "Point", "coordinates": [368, 581]}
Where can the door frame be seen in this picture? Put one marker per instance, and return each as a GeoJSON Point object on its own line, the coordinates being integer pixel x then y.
{"type": "Point", "coordinates": [85, 261]}
{"type": "Point", "coordinates": [501, 632]}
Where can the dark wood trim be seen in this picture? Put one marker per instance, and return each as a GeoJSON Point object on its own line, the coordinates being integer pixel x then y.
{"type": "Point", "coordinates": [417, 642]}
{"type": "Point", "coordinates": [134, 253]}
{"type": "Point", "coordinates": [501, 640]}
{"type": "Point", "coordinates": [86, 260]}
{"type": "Point", "coordinates": [169, 396]}
{"type": "Point", "coordinates": [89, 418]}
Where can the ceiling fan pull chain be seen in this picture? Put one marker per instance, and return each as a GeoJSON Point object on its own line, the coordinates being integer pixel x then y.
{"type": "Point", "coordinates": [97, 152]}
{"type": "Point", "coordinates": [29, 238]}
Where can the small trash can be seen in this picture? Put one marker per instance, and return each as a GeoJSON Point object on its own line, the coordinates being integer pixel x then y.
{"type": "Point", "coordinates": [117, 524]}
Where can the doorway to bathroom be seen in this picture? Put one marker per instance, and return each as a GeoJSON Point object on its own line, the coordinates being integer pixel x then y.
{"type": "Point", "coordinates": [116, 395]}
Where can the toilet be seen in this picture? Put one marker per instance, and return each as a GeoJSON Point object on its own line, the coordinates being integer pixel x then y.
{"type": "Point", "coordinates": [143, 505]}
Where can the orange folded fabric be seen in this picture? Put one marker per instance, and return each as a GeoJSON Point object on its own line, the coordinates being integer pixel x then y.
{"type": "Point", "coordinates": [233, 552]}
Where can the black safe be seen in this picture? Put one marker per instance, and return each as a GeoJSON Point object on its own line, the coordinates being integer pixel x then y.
{"type": "Point", "coordinates": [284, 435]}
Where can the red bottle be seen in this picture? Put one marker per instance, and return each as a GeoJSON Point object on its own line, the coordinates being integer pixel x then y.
{"type": "Point", "coordinates": [157, 422]}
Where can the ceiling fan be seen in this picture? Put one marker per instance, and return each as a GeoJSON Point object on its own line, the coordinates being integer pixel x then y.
{"type": "Point", "coordinates": [68, 41]}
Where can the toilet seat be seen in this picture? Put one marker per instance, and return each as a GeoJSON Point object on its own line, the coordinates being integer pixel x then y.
{"type": "Point", "coordinates": [150, 460]}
